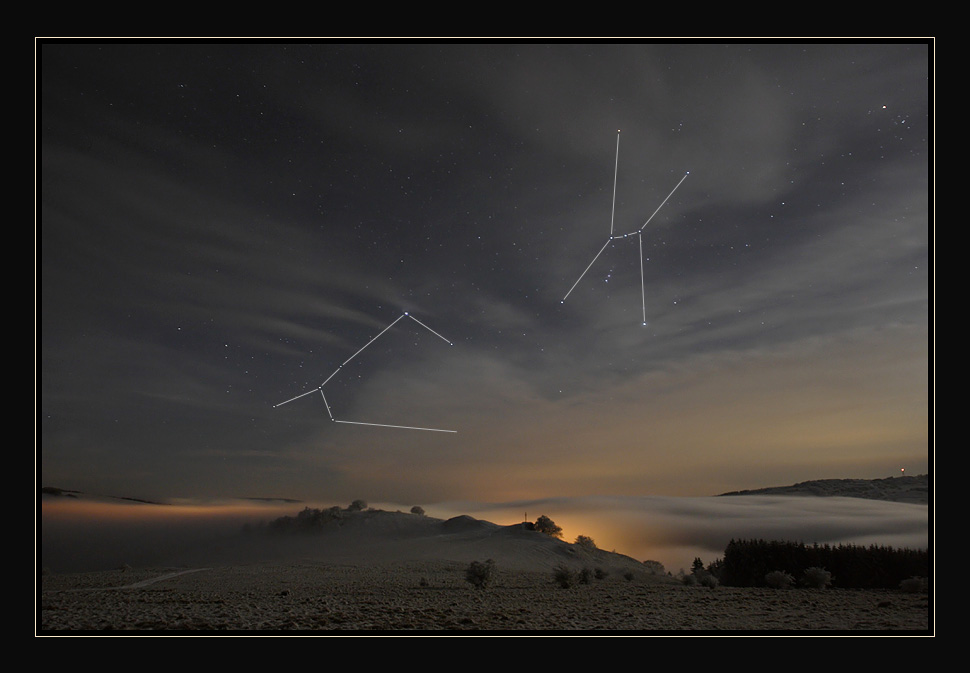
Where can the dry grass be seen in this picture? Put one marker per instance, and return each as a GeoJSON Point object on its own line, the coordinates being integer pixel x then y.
{"type": "Point", "coordinates": [435, 596]}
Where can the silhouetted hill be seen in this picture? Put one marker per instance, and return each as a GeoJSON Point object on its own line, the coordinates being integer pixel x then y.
{"type": "Point", "coordinates": [379, 536]}
{"type": "Point", "coordinates": [914, 490]}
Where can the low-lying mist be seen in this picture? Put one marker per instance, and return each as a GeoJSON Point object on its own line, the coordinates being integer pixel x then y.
{"type": "Point", "coordinates": [675, 530]}
{"type": "Point", "coordinates": [78, 535]}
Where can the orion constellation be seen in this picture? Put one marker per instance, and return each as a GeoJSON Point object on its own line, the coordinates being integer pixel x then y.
{"type": "Point", "coordinates": [638, 233]}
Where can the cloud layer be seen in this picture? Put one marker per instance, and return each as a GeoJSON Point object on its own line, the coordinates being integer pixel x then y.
{"type": "Point", "coordinates": [222, 225]}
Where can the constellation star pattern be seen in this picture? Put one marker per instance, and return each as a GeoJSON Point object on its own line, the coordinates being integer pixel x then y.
{"type": "Point", "coordinates": [379, 425]}
{"type": "Point", "coordinates": [638, 233]}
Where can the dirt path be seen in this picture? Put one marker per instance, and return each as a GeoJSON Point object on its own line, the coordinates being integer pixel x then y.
{"type": "Point", "coordinates": [142, 583]}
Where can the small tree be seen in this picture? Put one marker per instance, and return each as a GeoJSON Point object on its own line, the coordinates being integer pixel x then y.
{"type": "Point", "coordinates": [357, 506]}
{"type": "Point", "coordinates": [914, 585]}
{"type": "Point", "coordinates": [706, 579]}
{"type": "Point", "coordinates": [480, 574]}
{"type": "Point", "coordinates": [778, 579]}
{"type": "Point", "coordinates": [585, 542]}
{"type": "Point", "coordinates": [563, 576]}
{"type": "Point", "coordinates": [816, 578]}
{"type": "Point", "coordinates": [546, 525]}
{"type": "Point", "coordinates": [417, 509]}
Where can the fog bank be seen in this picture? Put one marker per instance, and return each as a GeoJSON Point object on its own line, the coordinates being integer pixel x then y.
{"type": "Point", "coordinates": [79, 535]}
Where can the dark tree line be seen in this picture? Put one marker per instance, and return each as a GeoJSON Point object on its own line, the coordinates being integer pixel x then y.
{"type": "Point", "coordinates": [309, 519]}
{"type": "Point", "coordinates": [746, 562]}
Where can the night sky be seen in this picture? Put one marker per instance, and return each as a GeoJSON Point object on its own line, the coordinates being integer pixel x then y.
{"type": "Point", "coordinates": [221, 225]}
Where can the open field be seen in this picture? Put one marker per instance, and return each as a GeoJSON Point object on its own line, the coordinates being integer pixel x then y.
{"type": "Point", "coordinates": [434, 597]}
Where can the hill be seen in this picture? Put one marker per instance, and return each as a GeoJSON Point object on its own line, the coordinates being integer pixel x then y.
{"type": "Point", "coordinates": [374, 537]}
{"type": "Point", "coordinates": [914, 490]}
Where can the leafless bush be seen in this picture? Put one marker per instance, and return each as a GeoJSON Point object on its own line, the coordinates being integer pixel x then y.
{"type": "Point", "coordinates": [816, 578]}
{"type": "Point", "coordinates": [914, 585]}
{"type": "Point", "coordinates": [480, 574]}
{"type": "Point", "coordinates": [778, 579]}
{"type": "Point", "coordinates": [563, 576]}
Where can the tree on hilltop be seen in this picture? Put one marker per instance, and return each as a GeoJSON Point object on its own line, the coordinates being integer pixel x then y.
{"type": "Point", "coordinates": [546, 525]}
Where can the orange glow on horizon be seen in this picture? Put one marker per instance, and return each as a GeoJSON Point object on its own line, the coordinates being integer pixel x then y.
{"type": "Point", "coordinates": [66, 509]}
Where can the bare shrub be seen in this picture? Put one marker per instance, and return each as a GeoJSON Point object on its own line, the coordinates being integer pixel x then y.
{"type": "Point", "coordinates": [706, 579]}
{"type": "Point", "coordinates": [816, 578]}
{"type": "Point", "coordinates": [480, 574]}
{"type": "Point", "coordinates": [563, 576]}
{"type": "Point", "coordinates": [914, 585]}
{"type": "Point", "coordinates": [778, 579]}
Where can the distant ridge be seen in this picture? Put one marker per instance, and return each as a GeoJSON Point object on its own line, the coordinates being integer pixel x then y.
{"type": "Point", "coordinates": [69, 493]}
{"type": "Point", "coordinates": [914, 490]}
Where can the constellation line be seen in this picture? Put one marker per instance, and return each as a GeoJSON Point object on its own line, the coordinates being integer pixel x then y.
{"type": "Point", "coordinates": [587, 268]}
{"type": "Point", "coordinates": [643, 290]}
{"type": "Point", "coordinates": [296, 398]}
{"type": "Point", "coordinates": [616, 169]}
{"type": "Point", "coordinates": [428, 328]}
{"type": "Point", "coordinates": [384, 425]}
{"type": "Point", "coordinates": [326, 404]}
{"type": "Point", "coordinates": [381, 425]}
{"type": "Point", "coordinates": [665, 200]}
{"type": "Point", "coordinates": [374, 339]}
{"type": "Point", "coordinates": [638, 232]}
